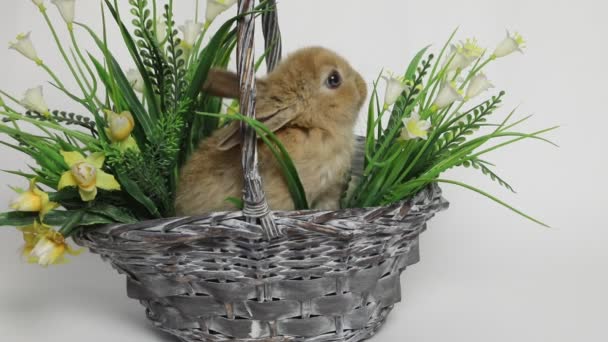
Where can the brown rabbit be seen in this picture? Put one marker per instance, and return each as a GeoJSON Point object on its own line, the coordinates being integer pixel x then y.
{"type": "Point", "coordinates": [311, 101]}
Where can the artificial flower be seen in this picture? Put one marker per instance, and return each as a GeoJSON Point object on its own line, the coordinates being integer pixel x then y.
{"type": "Point", "coordinates": [67, 9]}
{"type": "Point", "coordinates": [191, 32]}
{"type": "Point", "coordinates": [414, 128]}
{"type": "Point", "coordinates": [33, 200]}
{"type": "Point", "coordinates": [51, 248]}
{"type": "Point", "coordinates": [395, 86]}
{"type": "Point", "coordinates": [135, 80]}
{"type": "Point", "coordinates": [511, 44]}
{"type": "Point", "coordinates": [478, 85]}
{"type": "Point", "coordinates": [86, 174]}
{"type": "Point", "coordinates": [448, 94]}
{"type": "Point", "coordinates": [464, 54]}
{"type": "Point", "coordinates": [25, 46]}
{"type": "Point", "coordinates": [119, 129]}
{"type": "Point", "coordinates": [160, 30]}
{"type": "Point", "coordinates": [31, 236]}
{"type": "Point", "coordinates": [216, 7]}
{"type": "Point", "coordinates": [33, 100]}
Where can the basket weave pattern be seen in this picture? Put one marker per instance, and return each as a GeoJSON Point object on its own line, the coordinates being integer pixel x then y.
{"type": "Point", "coordinates": [333, 276]}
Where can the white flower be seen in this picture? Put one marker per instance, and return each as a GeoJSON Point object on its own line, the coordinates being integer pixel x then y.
{"type": "Point", "coordinates": [191, 32]}
{"type": "Point", "coordinates": [395, 86]}
{"type": "Point", "coordinates": [464, 54]}
{"type": "Point", "coordinates": [478, 85]}
{"type": "Point", "coordinates": [448, 94]}
{"type": "Point", "coordinates": [38, 2]}
{"type": "Point", "coordinates": [216, 7]}
{"type": "Point", "coordinates": [511, 44]}
{"type": "Point", "coordinates": [66, 8]}
{"type": "Point", "coordinates": [415, 128]}
{"type": "Point", "coordinates": [25, 46]}
{"type": "Point", "coordinates": [135, 80]}
{"type": "Point", "coordinates": [34, 101]}
{"type": "Point", "coordinates": [160, 30]}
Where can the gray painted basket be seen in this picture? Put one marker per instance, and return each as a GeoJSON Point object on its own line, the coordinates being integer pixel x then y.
{"type": "Point", "coordinates": [258, 275]}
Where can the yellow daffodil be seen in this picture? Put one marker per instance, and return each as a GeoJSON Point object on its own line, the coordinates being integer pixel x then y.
{"type": "Point", "coordinates": [414, 128]}
{"type": "Point", "coordinates": [51, 249]}
{"type": "Point", "coordinates": [86, 174]}
{"type": "Point", "coordinates": [448, 94]}
{"type": "Point", "coordinates": [119, 130]}
{"type": "Point", "coordinates": [216, 7]}
{"type": "Point", "coordinates": [509, 45]}
{"type": "Point", "coordinates": [34, 200]}
{"type": "Point", "coordinates": [24, 46]}
{"type": "Point", "coordinates": [395, 86]}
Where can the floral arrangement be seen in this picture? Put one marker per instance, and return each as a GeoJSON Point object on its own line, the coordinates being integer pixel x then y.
{"type": "Point", "coordinates": [120, 163]}
{"type": "Point", "coordinates": [433, 124]}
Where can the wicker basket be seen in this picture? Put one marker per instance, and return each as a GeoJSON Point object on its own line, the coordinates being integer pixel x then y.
{"type": "Point", "coordinates": [258, 275]}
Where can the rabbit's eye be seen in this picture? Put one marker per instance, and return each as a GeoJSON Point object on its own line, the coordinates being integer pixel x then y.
{"type": "Point", "coordinates": [334, 80]}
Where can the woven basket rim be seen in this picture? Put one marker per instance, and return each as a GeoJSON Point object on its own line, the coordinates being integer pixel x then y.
{"type": "Point", "coordinates": [312, 221]}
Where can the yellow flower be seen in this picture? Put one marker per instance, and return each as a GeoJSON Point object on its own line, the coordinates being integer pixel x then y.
{"type": "Point", "coordinates": [34, 200]}
{"type": "Point", "coordinates": [31, 236]}
{"type": "Point", "coordinates": [119, 129]}
{"type": "Point", "coordinates": [86, 174]}
{"type": "Point", "coordinates": [50, 249]}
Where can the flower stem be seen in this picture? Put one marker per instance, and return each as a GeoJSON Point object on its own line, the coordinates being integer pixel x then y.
{"type": "Point", "coordinates": [63, 53]}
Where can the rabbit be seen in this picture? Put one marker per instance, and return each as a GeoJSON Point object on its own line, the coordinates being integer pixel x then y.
{"type": "Point", "coordinates": [311, 102]}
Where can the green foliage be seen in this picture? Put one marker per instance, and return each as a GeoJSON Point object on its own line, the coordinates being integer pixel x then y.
{"type": "Point", "coordinates": [165, 129]}
{"type": "Point", "coordinates": [396, 168]}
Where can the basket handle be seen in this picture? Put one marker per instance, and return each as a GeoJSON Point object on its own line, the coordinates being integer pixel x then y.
{"type": "Point", "coordinates": [272, 35]}
{"type": "Point", "coordinates": [255, 203]}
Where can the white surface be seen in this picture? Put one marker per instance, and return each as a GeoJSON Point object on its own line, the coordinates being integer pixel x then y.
{"type": "Point", "coordinates": [486, 274]}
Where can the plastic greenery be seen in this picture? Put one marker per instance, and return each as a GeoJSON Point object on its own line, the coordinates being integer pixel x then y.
{"type": "Point", "coordinates": [432, 125]}
{"type": "Point", "coordinates": [118, 160]}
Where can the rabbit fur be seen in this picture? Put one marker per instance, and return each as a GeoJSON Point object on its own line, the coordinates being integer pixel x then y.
{"type": "Point", "coordinates": [312, 117]}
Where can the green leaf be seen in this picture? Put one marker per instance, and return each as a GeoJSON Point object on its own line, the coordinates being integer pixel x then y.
{"type": "Point", "coordinates": [411, 69]}
{"type": "Point", "coordinates": [132, 47]}
{"type": "Point", "coordinates": [133, 189]}
{"type": "Point", "coordinates": [294, 184]}
{"type": "Point", "coordinates": [144, 121]}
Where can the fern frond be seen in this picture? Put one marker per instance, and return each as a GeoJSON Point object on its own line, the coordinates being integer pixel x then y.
{"type": "Point", "coordinates": [484, 167]}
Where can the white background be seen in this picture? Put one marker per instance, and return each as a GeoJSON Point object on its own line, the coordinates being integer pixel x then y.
{"type": "Point", "coordinates": [485, 274]}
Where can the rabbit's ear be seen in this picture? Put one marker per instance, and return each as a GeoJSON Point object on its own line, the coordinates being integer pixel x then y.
{"type": "Point", "coordinates": [222, 83]}
{"type": "Point", "coordinates": [229, 136]}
